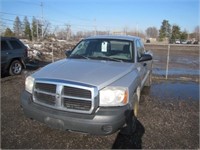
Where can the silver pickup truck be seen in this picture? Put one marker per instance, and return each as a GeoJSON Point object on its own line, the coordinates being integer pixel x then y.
{"type": "Point", "coordinates": [95, 90]}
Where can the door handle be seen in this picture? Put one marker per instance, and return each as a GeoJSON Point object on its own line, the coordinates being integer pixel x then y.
{"type": "Point", "coordinates": [144, 64]}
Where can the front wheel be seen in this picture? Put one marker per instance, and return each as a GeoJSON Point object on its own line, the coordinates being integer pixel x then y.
{"type": "Point", "coordinates": [15, 67]}
{"type": "Point", "coordinates": [136, 101]}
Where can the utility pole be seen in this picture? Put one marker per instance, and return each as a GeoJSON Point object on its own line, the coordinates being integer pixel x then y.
{"type": "Point", "coordinates": [95, 27]}
{"type": "Point", "coordinates": [42, 18]}
{"type": "Point", "coordinates": [37, 29]}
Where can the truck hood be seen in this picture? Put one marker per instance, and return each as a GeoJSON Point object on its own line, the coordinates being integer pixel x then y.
{"type": "Point", "coordinates": [93, 72]}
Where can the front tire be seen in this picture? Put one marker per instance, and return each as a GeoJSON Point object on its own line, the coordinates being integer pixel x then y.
{"type": "Point", "coordinates": [136, 108]}
{"type": "Point", "coordinates": [15, 68]}
{"type": "Point", "coordinates": [136, 102]}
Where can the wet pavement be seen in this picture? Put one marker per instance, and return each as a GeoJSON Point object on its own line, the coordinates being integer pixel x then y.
{"type": "Point", "coordinates": [173, 90]}
{"type": "Point", "coordinates": [179, 72]}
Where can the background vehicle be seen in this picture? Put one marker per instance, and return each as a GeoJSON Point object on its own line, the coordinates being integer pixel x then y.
{"type": "Point", "coordinates": [95, 90]}
{"type": "Point", "coordinates": [13, 55]}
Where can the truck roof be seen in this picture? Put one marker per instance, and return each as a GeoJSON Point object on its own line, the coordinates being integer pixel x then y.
{"type": "Point", "coordinates": [119, 37]}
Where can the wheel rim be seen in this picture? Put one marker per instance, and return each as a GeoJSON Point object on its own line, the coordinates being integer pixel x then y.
{"type": "Point", "coordinates": [16, 68]}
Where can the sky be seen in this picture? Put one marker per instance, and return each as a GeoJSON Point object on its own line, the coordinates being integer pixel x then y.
{"type": "Point", "coordinates": [113, 15]}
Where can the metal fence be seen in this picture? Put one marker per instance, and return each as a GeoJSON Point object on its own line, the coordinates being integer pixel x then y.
{"type": "Point", "coordinates": [175, 60]}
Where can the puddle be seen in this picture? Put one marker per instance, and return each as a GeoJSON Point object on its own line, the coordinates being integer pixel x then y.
{"type": "Point", "coordinates": [157, 71]}
{"type": "Point", "coordinates": [169, 90]}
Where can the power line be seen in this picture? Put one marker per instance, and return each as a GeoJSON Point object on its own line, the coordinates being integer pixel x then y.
{"type": "Point", "coordinates": [28, 2]}
{"type": "Point", "coordinates": [70, 15]}
{"type": "Point", "coordinates": [7, 19]}
{"type": "Point", "coordinates": [15, 14]}
{"type": "Point", "coordinates": [42, 18]}
{"type": "Point", "coordinates": [64, 23]}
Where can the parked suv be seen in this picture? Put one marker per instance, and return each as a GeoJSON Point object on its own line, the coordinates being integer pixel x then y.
{"type": "Point", "coordinates": [96, 89]}
{"type": "Point", "coordinates": [13, 55]}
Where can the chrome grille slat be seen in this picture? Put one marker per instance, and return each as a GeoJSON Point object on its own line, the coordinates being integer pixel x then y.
{"type": "Point", "coordinates": [76, 92]}
{"type": "Point", "coordinates": [47, 99]}
{"type": "Point", "coordinates": [63, 96]}
{"type": "Point", "coordinates": [44, 92]}
{"type": "Point", "coordinates": [76, 104]}
{"type": "Point", "coordinates": [51, 88]}
{"type": "Point", "coordinates": [72, 97]}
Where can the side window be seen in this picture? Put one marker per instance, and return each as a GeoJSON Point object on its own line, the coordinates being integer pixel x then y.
{"type": "Point", "coordinates": [15, 44]}
{"type": "Point", "coordinates": [4, 45]}
{"type": "Point", "coordinates": [140, 48]}
{"type": "Point", "coordinates": [81, 48]}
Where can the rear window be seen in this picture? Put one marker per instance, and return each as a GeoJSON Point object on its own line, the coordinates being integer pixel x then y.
{"type": "Point", "coordinates": [15, 44]}
{"type": "Point", "coordinates": [4, 45]}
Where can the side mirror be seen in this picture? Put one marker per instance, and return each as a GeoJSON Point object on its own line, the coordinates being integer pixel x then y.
{"type": "Point", "coordinates": [68, 52]}
{"type": "Point", "coordinates": [145, 57]}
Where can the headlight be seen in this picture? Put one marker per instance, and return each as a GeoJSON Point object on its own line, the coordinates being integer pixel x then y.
{"type": "Point", "coordinates": [113, 96]}
{"type": "Point", "coordinates": [29, 84]}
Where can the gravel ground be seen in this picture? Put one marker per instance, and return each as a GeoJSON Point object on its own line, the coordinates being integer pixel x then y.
{"type": "Point", "coordinates": [165, 124]}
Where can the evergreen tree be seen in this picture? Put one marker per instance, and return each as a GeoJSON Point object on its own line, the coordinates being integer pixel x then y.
{"type": "Point", "coordinates": [9, 33]}
{"type": "Point", "coordinates": [165, 30]}
{"type": "Point", "coordinates": [184, 35]}
{"type": "Point", "coordinates": [27, 29]}
{"type": "Point", "coordinates": [34, 27]}
{"type": "Point", "coordinates": [17, 27]}
{"type": "Point", "coordinates": [176, 33]}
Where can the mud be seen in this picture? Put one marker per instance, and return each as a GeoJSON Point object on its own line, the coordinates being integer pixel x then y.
{"type": "Point", "coordinates": [161, 124]}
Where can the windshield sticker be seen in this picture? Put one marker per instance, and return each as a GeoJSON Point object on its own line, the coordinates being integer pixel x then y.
{"type": "Point", "coordinates": [104, 46]}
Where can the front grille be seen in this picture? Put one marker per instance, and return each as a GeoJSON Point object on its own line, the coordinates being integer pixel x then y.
{"type": "Point", "coordinates": [45, 98]}
{"type": "Point", "coordinates": [77, 92]}
{"type": "Point", "coordinates": [67, 97]}
{"type": "Point", "coordinates": [46, 87]}
{"type": "Point", "coordinates": [77, 104]}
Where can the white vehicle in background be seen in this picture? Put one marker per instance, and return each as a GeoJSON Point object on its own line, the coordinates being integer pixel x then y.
{"type": "Point", "coordinates": [177, 42]}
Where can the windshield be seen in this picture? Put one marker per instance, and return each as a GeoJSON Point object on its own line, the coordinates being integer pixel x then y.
{"type": "Point", "coordinates": [105, 49]}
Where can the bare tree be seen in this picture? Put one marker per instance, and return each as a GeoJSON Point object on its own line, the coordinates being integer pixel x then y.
{"type": "Point", "coordinates": [2, 27]}
{"type": "Point", "coordinates": [152, 32]}
{"type": "Point", "coordinates": [46, 28]}
{"type": "Point", "coordinates": [68, 31]}
{"type": "Point", "coordinates": [197, 32]}
{"type": "Point", "coordinates": [61, 34]}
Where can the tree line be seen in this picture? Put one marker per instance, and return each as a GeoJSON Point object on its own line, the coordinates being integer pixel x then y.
{"type": "Point", "coordinates": [173, 33]}
{"type": "Point", "coordinates": [25, 29]}
{"type": "Point", "coordinates": [39, 30]}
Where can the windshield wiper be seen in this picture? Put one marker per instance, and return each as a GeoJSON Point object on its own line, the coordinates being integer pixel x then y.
{"type": "Point", "coordinates": [108, 58]}
{"type": "Point", "coordinates": [79, 56]}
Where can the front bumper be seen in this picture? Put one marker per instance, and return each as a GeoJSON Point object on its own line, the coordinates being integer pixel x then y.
{"type": "Point", "coordinates": [103, 122]}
